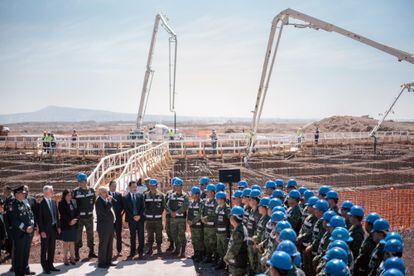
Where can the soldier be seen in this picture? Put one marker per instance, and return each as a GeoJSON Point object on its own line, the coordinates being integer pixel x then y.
{"type": "Point", "coordinates": [290, 248]}
{"type": "Point", "coordinates": [332, 198]}
{"type": "Point", "coordinates": [236, 254]}
{"type": "Point", "coordinates": [23, 224]}
{"type": "Point", "coordinates": [280, 184]}
{"type": "Point", "coordinates": [264, 218]}
{"type": "Point", "coordinates": [242, 184]}
{"type": "Point", "coordinates": [380, 229]}
{"type": "Point", "coordinates": [168, 216]}
{"type": "Point", "coordinates": [154, 208]}
{"type": "Point", "coordinates": [254, 217]}
{"type": "Point", "coordinates": [304, 199]}
{"type": "Point", "coordinates": [85, 199]}
{"type": "Point", "coordinates": [246, 206]}
{"type": "Point", "coordinates": [292, 184]}
{"type": "Point", "coordinates": [270, 186]}
{"type": "Point", "coordinates": [204, 181]}
{"type": "Point", "coordinates": [178, 205]}
{"type": "Point", "coordinates": [8, 200]}
{"type": "Point", "coordinates": [280, 264]}
{"type": "Point", "coordinates": [208, 218]}
{"type": "Point", "coordinates": [323, 190]}
{"type": "Point", "coordinates": [237, 198]}
{"type": "Point", "coordinates": [345, 208]}
{"type": "Point", "coordinates": [194, 221]}
{"type": "Point", "coordinates": [279, 194]}
{"type": "Point", "coordinates": [222, 228]}
{"type": "Point", "coordinates": [294, 213]}
{"type": "Point", "coordinates": [356, 231]}
{"type": "Point", "coordinates": [362, 259]}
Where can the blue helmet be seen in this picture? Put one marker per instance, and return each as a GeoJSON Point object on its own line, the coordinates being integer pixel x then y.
{"type": "Point", "coordinates": [275, 202]}
{"type": "Point", "coordinates": [277, 216]}
{"type": "Point", "coordinates": [372, 217]}
{"type": "Point", "coordinates": [237, 194]}
{"type": "Point", "coordinates": [336, 267]}
{"type": "Point", "coordinates": [332, 194]}
{"type": "Point", "coordinates": [256, 187]}
{"type": "Point", "coordinates": [270, 184]}
{"type": "Point", "coordinates": [220, 187]}
{"type": "Point", "coordinates": [291, 183]}
{"type": "Point", "coordinates": [282, 225]}
{"type": "Point", "coordinates": [242, 184]}
{"type": "Point", "coordinates": [238, 212]}
{"type": "Point", "coordinates": [337, 221]}
{"type": "Point", "coordinates": [323, 190]}
{"type": "Point", "coordinates": [255, 194]}
{"type": "Point", "coordinates": [288, 247]}
{"type": "Point", "coordinates": [81, 177]}
{"type": "Point", "coordinates": [394, 262]}
{"type": "Point", "coordinates": [294, 194]}
{"type": "Point", "coordinates": [173, 180]}
{"type": "Point", "coordinates": [278, 193]}
{"type": "Point", "coordinates": [221, 195]}
{"type": "Point", "coordinates": [393, 235]}
{"type": "Point", "coordinates": [211, 188]}
{"type": "Point", "coordinates": [336, 253]}
{"type": "Point", "coordinates": [392, 272]}
{"type": "Point", "coordinates": [393, 246]}
{"type": "Point", "coordinates": [312, 201]}
{"type": "Point", "coordinates": [246, 192]}
{"type": "Point", "coordinates": [178, 182]}
{"type": "Point", "coordinates": [281, 260]}
{"type": "Point", "coordinates": [340, 244]}
{"type": "Point", "coordinates": [195, 190]}
{"type": "Point", "coordinates": [321, 205]}
{"type": "Point", "coordinates": [204, 181]}
{"type": "Point", "coordinates": [356, 211]}
{"type": "Point", "coordinates": [340, 233]}
{"type": "Point", "coordinates": [279, 208]}
{"type": "Point", "coordinates": [153, 182]}
{"type": "Point", "coordinates": [288, 234]}
{"type": "Point", "coordinates": [302, 190]}
{"type": "Point", "coordinates": [308, 194]}
{"type": "Point", "coordinates": [264, 202]}
{"type": "Point", "coordinates": [279, 183]}
{"type": "Point", "coordinates": [381, 225]}
{"type": "Point", "coordinates": [328, 215]}
{"type": "Point", "coordinates": [347, 205]}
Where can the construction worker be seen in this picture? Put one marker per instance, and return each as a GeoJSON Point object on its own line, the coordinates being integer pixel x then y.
{"type": "Point", "coordinates": [294, 213]}
{"type": "Point", "coordinates": [168, 215]}
{"type": "Point", "coordinates": [194, 221]}
{"type": "Point", "coordinates": [85, 200]}
{"type": "Point", "coordinates": [356, 231]}
{"type": "Point", "coordinates": [368, 245]}
{"type": "Point", "coordinates": [171, 134]}
{"type": "Point", "coordinates": [154, 208]}
{"type": "Point", "coordinates": [208, 217]}
{"type": "Point", "coordinates": [204, 181]}
{"type": "Point", "coordinates": [213, 137]}
{"type": "Point", "coordinates": [222, 228]}
{"type": "Point", "coordinates": [270, 186]}
{"type": "Point", "coordinates": [254, 217]}
{"type": "Point", "coordinates": [316, 135]}
{"type": "Point", "coordinates": [236, 255]}
{"type": "Point", "coordinates": [345, 208]}
{"type": "Point", "coordinates": [332, 197]}
{"type": "Point", "coordinates": [178, 205]}
{"type": "Point", "coordinates": [380, 229]}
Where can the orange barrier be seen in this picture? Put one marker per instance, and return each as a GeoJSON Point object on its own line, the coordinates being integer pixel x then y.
{"type": "Point", "coordinates": [395, 205]}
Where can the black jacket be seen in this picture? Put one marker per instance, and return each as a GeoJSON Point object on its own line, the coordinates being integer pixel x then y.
{"type": "Point", "coordinates": [139, 210]}
{"type": "Point", "coordinates": [45, 216]}
{"type": "Point", "coordinates": [117, 204]}
{"type": "Point", "coordinates": [66, 215]}
{"type": "Point", "coordinates": [104, 216]}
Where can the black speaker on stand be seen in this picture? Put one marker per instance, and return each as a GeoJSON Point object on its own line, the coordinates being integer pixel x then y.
{"type": "Point", "coordinates": [230, 176]}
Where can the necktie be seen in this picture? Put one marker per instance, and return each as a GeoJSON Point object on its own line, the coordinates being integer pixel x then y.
{"type": "Point", "coordinates": [52, 210]}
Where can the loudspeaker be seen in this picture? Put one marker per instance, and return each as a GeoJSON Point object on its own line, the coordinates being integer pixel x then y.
{"type": "Point", "coordinates": [229, 175]}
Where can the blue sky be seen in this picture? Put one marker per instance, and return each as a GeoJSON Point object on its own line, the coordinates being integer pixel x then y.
{"type": "Point", "coordinates": [92, 54]}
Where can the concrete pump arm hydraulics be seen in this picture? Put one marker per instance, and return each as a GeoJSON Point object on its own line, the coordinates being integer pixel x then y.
{"type": "Point", "coordinates": [278, 23]}
{"type": "Point", "coordinates": [149, 73]}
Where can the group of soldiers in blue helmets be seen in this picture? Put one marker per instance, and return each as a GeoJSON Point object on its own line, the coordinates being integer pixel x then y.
{"type": "Point", "coordinates": [284, 229]}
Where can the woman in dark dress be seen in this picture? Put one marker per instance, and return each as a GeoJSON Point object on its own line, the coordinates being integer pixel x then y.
{"type": "Point", "coordinates": [69, 225]}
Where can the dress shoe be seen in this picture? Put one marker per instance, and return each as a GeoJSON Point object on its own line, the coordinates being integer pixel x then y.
{"type": "Point", "coordinates": [54, 269]}
{"type": "Point", "coordinates": [73, 263]}
{"type": "Point", "coordinates": [30, 273]}
{"type": "Point", "coordinates": [46, 272]}
{"type": "Point", "coordinates": [103, 266]}
{"type": "Point", "coordinates": [159, 251]}
{"type": "Point", "coordinates": [92, 255]}
{"type": "Point", "coordinates": [171, 247]}
{"type": "Point", "coordinates": [111, 264]}
{"type": "Point", "coordinates": [66, 263]}
{"type": "Point", "coordinates": [140, 257]}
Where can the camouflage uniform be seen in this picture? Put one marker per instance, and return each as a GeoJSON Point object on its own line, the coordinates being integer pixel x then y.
{"type": "Point", "coordinates": [178, 203]}
{"type": "Point", "coordinates": [196, 227]}
{"type": "Point", "coordinates": [246, 215]}
{"type": "Point", "coordinates": [294, 216]}
{"type": "Point", "coordinates": [154, 207]}
{"type": "Point", "coordinates": [305, 239]}
{"type": "Point", "coordinates": [236, 255]}
{"type": "Point", "coordinates": [362, 259]}
{"type": "Point", "coordinates": [323, 245]}
{"type": "Point", "coordinates": [261, 235]}
{"type": "Point", "coordinates": [168, 218]}
{"type": "Point", "coordinates": [376, 259]}
{"type": "Point", "coordinates": [358, 234]}
{"type": "Point", "coordinates": [254, 217]}
{"type": "Point", "coordinates": [317, 233]}
{"type": "Point", "coordinates": [208, 212]}
{"type": "Point", "coordinates": [223, 229]}
{"type": "Point", "coordinates": [85, 200]}
{"type": "Point", "coordinates": [335, 209]}
{"type": "Point", "coordinates": [295, 271]}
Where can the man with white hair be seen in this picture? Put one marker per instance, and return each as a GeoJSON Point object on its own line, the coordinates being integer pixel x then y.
{"type": "Point", "coordinates": [49, 228]}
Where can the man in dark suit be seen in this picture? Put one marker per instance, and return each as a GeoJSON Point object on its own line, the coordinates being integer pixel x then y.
{"type": "Point", "coordinates": [117, 206]}
{"type": "Point", "coordinates": [105, 219]}
{"type": "Point", "coordinates": [49, 228]}
{"type": "Point", "coordinates": [134, 211]}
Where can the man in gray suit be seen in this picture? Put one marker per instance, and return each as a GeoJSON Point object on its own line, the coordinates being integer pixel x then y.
{"type": "Point", "coordinates": [105, 227]}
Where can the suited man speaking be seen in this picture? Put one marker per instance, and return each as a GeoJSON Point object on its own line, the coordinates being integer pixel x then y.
{"type": "Point", "coordinates": [118, 207]}
{"type": "Point", "coordinates": [135, 216]}
{"type": "Point", "coordinates": [49, 228]}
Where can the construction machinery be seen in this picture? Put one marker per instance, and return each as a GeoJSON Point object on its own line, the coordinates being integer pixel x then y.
{"type": "Point", "coordinates": [279, 22]}
{"type": "Point", "coordinates": [162, 20]}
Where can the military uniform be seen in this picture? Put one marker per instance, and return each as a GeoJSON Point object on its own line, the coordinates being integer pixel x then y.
{"type": "Point", "coordinates": [254, 218]}
{"type": "Point", "coordinates": [305, 239]}
{"type": "Point", "coordinates": [246, 215]}
{"type": "Point", "coordinates": [210, 239]}
{"type": "Point", "coordinates": [8, 223]}
{"type": "Point", "coordinates": [323, 245]}
{"type": "Point", "coordinates": [168, 219]}
{"type": "Point", "coordinates": [154, 207]}
{"type": "Point", "coordinates": [237, 251]}
{"type": "Point", "coordinates": [295, 271]}
{"type": "Point", "coordinates": [317, 233]}
{"type": "Point", "coordinates": [294, 216]}
{"type": "Point", "coordinates": [377, 256]}
{"type": "Point", "coordinates": [362, 259]}
{"type": "Point", "coordinates": [335, 209]}
{"type": "Point", "coordinates": [22, 217]}
{"type": "Point", "coordinates": [178, 203]}
{"type": "Point", "coordinates": [223, 229]}
{"type": "Point", "coordinates": [85, 200]}
{"type": "Point", "coordinates": [196, 227]}
{"type": "Point", "coordinates": [261, 236]}
{"type": "Point", "coordinates": [358, 234]}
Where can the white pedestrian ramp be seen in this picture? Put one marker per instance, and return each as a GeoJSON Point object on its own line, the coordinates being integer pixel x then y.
{"type": "Point", "coordinates": [157, 267]}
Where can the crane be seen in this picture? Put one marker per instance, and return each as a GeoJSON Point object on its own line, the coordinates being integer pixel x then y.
{"type": "Point", "coordinates": [162, 20]}
{"type": "Point", "coordinates": [278, 23]}
{"type": "Point", "coordinates": [406, 86]}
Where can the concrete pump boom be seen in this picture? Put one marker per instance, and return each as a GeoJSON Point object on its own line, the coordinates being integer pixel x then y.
{"type": "Point", "coordinates": [281, 20]}
{"type": "Point", "coordinates": [149, 73]}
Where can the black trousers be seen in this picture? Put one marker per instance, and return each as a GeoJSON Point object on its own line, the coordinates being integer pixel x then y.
{"type": "Point", "coordinates": [134, 229]}
{"type": "Point", "coordinates": [21, 251]}
{"type": "Point", "coordinates": [47, 249]}
{"type": "Point", "coordinates": [118, 234]}
{"type": "Point", "coordinates": [105, 247]}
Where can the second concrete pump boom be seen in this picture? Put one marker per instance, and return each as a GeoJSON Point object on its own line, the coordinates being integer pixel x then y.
{"type": "Point", "coordinates": [278, 23]}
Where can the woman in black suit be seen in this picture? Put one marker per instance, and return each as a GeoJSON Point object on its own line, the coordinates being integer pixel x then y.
{"type": "Point", "coordinates": [69, 225]}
